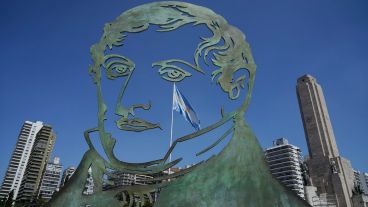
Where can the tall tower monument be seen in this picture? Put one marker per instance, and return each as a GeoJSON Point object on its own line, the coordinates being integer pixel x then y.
{"type": "Point", "coordinates": [329, 172]}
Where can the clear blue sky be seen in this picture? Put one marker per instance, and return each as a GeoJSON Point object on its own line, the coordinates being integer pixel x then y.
{"type": "Point", "coordinates": [45, 56]}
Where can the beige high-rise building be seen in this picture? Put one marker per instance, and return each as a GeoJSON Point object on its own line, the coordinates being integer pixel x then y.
{"type": "Point", "coordinates": [329, 172]}
{"type": "Point", "coordinates": [40, 154]}
{"type": "Point", "coordinates": [19, 159]}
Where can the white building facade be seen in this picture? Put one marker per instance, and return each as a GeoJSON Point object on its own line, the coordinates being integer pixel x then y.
{"type": "Point", "coordinates": [361, 180]}
{"type": "Point", "coordinates": [122, 179]}
{"type": "Point", "coordinates": [19, 159]}
{"type": "Point", "coordinates": [67, 174]}
{"type": "Point", "coordinates": [284, 161]}
{"type": "Point", "coordinates": [364, 179]}
{"type": "Point", "coordinates": [89, 185]}
{"type": "Point", "coordinates": [51, 179]}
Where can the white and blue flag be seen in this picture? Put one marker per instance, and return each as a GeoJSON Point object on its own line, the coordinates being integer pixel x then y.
{"type": "Point", "coordinates": [181, 105]}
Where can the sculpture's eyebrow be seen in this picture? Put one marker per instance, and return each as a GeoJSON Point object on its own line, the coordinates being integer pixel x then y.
{"type": "Point", "coordinates": [170, 63]}
{"type": "Point", "coordinates": [117, 57]}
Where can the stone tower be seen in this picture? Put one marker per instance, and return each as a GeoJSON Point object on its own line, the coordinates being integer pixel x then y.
{"type": "Point", "coordinates": [329, 172]}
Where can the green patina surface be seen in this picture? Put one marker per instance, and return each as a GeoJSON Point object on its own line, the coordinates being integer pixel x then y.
{"type": "Point", "coordinates": [238, 176]}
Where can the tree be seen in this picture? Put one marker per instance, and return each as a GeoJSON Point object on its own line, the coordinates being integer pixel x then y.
{"type": "Point", "coordinates": [357, 190]}
{"type": "Point", "coordinates": [148, 204]}
{"type": "Point", "coordinates": [9, 201]}
{"type": "Point", "coordinates": [2, 202]}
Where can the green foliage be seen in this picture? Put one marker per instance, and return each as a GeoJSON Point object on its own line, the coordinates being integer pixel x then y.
{"type": "Point", "coordinates": [148, 204]}
{"type": "Point", "coordinates": [357, 190]}
{"type": "Point", "coordinates": [9, 201]}
{"type": "Point", "coordinates": [17, 204]}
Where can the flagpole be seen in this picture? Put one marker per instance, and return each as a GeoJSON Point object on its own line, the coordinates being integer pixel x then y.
{"type": "Point", "coordinates": [172, 123]}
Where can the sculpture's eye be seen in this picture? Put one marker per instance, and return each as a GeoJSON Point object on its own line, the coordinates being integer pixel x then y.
{"type": "Point", "coordinates": [170, 72]}
{"type": "Point", "coordinates": [175, 74]}
{"type": "Point", "coordinates": [118, 66]}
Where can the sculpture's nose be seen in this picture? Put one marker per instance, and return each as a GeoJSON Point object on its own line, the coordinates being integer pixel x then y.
{"type": "Point", "coordinates": [124, 112]}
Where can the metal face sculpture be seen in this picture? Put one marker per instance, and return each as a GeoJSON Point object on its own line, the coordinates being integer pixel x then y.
{"type": "Point", "coordinates": [237, 176]}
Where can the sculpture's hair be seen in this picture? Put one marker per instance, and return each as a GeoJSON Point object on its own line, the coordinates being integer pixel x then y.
{"type": "Point", "coordinates": [230, 53]}
{"type": "Point", "coordinates": [230, 50]}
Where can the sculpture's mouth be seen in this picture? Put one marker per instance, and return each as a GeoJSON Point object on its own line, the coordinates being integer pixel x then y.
{"type": "Point", "coordinates": [135, 124]}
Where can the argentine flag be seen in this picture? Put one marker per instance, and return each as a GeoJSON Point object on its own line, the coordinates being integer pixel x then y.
{"type": "Point", "coordinates": [181, 105]}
